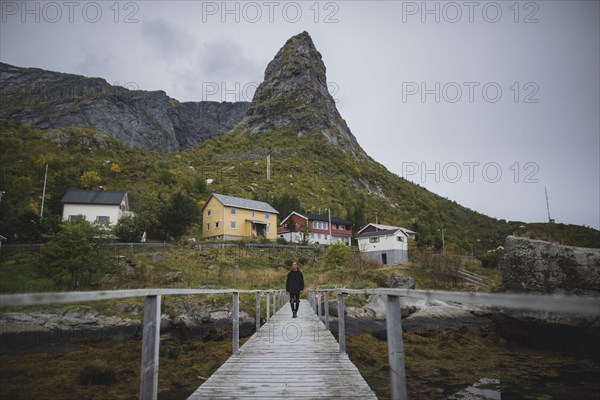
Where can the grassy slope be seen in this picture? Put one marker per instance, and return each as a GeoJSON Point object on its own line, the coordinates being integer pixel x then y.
{"type": "Point", "coordinates": [308, 167]}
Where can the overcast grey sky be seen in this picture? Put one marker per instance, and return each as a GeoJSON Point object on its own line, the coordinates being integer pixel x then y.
{"type": "Point", "coordinates": [482, 102]}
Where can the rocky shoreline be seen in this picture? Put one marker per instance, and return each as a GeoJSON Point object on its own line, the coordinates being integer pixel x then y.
{"type": "Point", "coordinates": [32, 331]}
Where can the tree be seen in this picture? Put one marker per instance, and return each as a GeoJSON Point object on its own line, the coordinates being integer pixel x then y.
{"type": "Point", "coordinates": [177, 215]}
{"type": "Point", "coordinates": [356, 215]}
{"type": "Point", "coordinates": [305, 231]}
{"type": "Point", "coordinates": [115, 169]}
{"type": "Point", "coordinates": [90, 179]}
{"type": "Point", "coordinates": [129, 229]}
{"type": "Point", "coordinates": [76, 251]}
{"type": "Point", "coordinates": [285, 204]}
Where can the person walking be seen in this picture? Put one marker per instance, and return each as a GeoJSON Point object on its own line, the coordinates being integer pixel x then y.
{"type": "Point", "coordinates": [294, 284]}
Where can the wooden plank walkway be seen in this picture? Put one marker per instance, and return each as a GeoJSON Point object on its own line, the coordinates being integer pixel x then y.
{"type": "Point", "coordinates": [287, 358]}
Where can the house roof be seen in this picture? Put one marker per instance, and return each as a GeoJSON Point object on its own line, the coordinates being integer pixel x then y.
{"type": "Point", "coordinates": [382, 227]}
{"type": "Point", "coordinates": [387, 232]}
{"type": "Point", "coordinates": [238, 202]}
{"type": "Point", "coordinates": [82, 196]}
{"type": "Point", "coordinates": [319, 217]}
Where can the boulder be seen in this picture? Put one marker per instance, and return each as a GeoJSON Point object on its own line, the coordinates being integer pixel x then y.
{"type": "Point", "coordinates": [401, 281]}
{"type": "Point", "coordinates": [537, 266]}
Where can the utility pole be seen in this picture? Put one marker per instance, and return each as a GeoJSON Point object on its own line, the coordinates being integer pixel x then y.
{"type": "Point", "coordinates": [443, 242]}
{"type": "Point", "coordinates": [329, 211]}
{"type": "Point", "coordinates": [44, 194]}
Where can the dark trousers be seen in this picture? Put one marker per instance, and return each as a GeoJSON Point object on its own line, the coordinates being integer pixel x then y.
{"type": "Point", "coordinates": [295, 301]}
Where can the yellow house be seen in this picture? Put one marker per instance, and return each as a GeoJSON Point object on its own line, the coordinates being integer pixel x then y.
{"type": "Point", "coordinates": [234, 218]}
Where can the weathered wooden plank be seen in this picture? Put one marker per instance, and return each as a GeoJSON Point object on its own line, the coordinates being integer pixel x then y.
{"type": "Point", "coordinates": [584, 305]}
{"type": "Point", "coordinates": [395, 348]}
{"type": "Point", "coordinates": [235, 320]}
{"type": "Point", "coordinates": [341, 323]}
{"type": "Point", "coordinates": [287, 358]}
{"type": "Point", "coordinates": [150, 345]}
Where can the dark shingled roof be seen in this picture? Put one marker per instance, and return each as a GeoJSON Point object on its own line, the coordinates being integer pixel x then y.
{"type": "Point", "coordinates": [325, 218]}
{"type": "Point", "coordinates": [379, 233]}
{"type": "Point", "coordinates": [81, 196]}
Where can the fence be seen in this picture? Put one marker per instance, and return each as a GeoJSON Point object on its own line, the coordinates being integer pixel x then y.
{"type": "Point", "coordinates": [553, 303]}
{"type": "Point", "coordinates": [152, 312]}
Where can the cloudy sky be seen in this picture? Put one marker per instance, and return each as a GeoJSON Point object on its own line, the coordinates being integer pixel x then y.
{"type": "Point", "coordinates": [485, 103]}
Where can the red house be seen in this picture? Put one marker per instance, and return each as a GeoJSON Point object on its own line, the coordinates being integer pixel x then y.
{"type": "Point", "coordinates": [301, 227]}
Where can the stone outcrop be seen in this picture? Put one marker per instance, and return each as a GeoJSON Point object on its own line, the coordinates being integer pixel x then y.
{"type": "Point", "coordinates": [400, 281]}
{"type": "Point", "coordinates": [26, 330]}
{"type": "Point", "coordinates": [537, 266]}
{"type": "Point", "coordinates": [423, 316]}
{"type": "Point", "coordinates": [294, 100]}
{"type": "Point", "coordinates": [142, 119]}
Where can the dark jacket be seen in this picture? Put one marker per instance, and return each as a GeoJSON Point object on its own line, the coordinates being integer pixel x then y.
{"type": "Point", "coordinates": [294, 282]}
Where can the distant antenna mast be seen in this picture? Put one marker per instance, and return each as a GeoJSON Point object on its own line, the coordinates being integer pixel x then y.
{"type": "Point", "coordinates": [550, 220]}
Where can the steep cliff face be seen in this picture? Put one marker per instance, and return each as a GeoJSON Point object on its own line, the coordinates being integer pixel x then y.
{"type": "Point", "coordinates": [538, 266]}
{"type": "Point", "coordinates": [293, 98]}
{"type": "Point", "coordinates": [147, 120]}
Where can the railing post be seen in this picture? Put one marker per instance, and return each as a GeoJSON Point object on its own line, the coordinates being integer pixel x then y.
{"type": "Point", "coordinates": [315, 301]}
{"type": "Point", "coordinates": [257, 311]}
{"type": "Point", "coordinates": [235, 317]}
{"type": "Point", "coordinates": [326, 305]}
{"type": "Point", "coordinates": [268, 316]}
{"type": "Point", "coordinates": [341, 323]}
{"type": "Point", "coordinates": [275, 300]}
{"type": "Point", "coordinates": [281, 297]}
{"type": "Point", "coordinates": [150, 348]}
{"type": "Point", "coordinates": [395, 348]}
{"type": "Point", "coordinates": [319, 304]}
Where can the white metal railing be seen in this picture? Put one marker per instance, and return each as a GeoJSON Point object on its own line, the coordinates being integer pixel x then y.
{"type": "Point", "coordinates": [152, 312]}
{"type": "Point", "coordinates": [589, 306]}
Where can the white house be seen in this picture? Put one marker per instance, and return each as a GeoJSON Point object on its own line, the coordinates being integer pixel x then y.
{"type": "Point", "coordinates": [385, 244]}
{"type": "Point", "coordinates": [101, 206]}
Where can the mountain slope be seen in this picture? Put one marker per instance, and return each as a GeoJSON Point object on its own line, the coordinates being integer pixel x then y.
{"type": "Point", "coordinates": [148, 120]}
{"type": "Point", "coordinates": [313, 157]}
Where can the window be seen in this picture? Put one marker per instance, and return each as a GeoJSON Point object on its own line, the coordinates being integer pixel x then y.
{"type": "Point", "coordinates": [268, 228]}
{"type": "Point", "coordinates": [208, 213]}
{"type": "Point", "coordinates": [103, 220]}
{"type": "Point", "coordinates": [374, 240]}
{"type": "Point", "coordinates": [75, 218]}
{"type": "Point", "coordinates": [320, 225]}
{"type": "Point", "coordinates": [233, 211]}
{"type": "Point", "coordinates": [233, 225]}
{"type": "Point", "coordinates": [208, 227]}
{"type": "Point", "coordinates": [267, 215]}
{"type": "Point", "coordinates": [253, 214]}
{"type": "Point", "coordinates": [400, 239]}
{"type": "Point", "coordinates": [216, 225]}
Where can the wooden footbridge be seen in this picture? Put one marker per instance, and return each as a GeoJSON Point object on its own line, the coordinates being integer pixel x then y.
{"type": "Point", "coordinates": [295, 358]}
{"type": "Point", "coordinates": [288, 358]}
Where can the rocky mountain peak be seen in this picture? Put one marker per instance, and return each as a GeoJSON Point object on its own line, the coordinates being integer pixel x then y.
{"type": "Point", "coordinates": [293, 98]}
